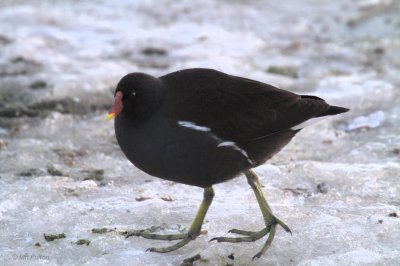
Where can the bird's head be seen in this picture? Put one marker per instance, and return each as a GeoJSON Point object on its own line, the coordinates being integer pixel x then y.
{"type": "Point", "coordinates": [134, 96]}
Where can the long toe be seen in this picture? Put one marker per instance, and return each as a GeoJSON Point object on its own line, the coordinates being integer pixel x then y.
{"type": "Point", "coordinates": [148, 235]}
{"type": "Point", "coordinates": [249, 236]}
{"type": "Point", "coordinates": [267, 243]}
{"type": "Point", "coordinates": [284, 226]}
{"type": "Point", "coordinates": [172, 247]}
{"type": "Point", "coordinates": [241, 232]}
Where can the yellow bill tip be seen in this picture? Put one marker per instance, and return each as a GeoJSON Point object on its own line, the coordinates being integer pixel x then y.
{"type": "Point", "coordinates": [109, 116]}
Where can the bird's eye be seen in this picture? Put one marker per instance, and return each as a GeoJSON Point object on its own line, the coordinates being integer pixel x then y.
{"type": "Point", "coordinates": [133, 94]}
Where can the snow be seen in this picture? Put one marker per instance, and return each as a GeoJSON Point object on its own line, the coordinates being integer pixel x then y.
{"type": "Point", "coordinates": [61, 171]}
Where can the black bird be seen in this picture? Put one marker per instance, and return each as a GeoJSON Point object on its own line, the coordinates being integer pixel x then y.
{"type": "Point", "coordinates": [201, 127]}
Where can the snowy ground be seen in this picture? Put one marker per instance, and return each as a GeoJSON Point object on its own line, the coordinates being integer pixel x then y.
{"type": "Point", "coordinates": [61, 171]}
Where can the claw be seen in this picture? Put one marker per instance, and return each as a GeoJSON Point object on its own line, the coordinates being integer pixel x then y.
{"type": "Point", "coordinates": [257, 256]}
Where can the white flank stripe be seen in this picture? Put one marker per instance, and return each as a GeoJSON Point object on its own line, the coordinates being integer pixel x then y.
{"type": "Point", "coordinates": [227, 143]}
{"type": "Point", "coordinates": [235, 147]}
{"type": "Point", "coordinates": [231, 144]}
{"type": "Point", "coordinates": [193, 126]}
{"type": "Point", "coordinates": [307, 123]}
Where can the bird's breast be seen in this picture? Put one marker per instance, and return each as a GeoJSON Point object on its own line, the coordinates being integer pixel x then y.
{"type": "Point", "coordinates": [180, 151]}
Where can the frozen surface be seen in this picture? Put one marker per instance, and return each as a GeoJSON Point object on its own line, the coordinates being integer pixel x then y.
{"type": "Point", "coordinates": [373, 120]}
{"type": "Point", "coordinates": [336, 184]}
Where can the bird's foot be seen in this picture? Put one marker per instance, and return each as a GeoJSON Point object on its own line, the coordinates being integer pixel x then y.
{"type": "Point", "coordinates": [184, 237]}
{"type": "Point", "coordinates": [192, 233]}
{"type": "Point", "coordinates": [250, 236]}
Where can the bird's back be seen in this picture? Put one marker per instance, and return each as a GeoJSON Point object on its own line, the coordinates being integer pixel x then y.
{"type": "Point", "coordinates": [236, 108]}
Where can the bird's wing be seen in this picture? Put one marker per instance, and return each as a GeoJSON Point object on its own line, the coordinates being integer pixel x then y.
{"type": "Point", "coordinates": [235, 108]}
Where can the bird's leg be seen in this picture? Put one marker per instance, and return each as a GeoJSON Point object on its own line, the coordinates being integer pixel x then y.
{"type": "Point", "coordinates": [193, 232]}
{"type": "Point", "coordinates": [270, 220]}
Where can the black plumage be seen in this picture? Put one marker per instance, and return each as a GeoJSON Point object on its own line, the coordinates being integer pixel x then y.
{"type": "Point", "coordinates": [201, 127]}
{"type": "Point", "coordinates": [255, 116]}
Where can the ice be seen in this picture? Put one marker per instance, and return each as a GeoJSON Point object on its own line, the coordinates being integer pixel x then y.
{"type": "Point", "coordinates": [61, 170]}
{"type": "Point", "coordinates": [370, 121]}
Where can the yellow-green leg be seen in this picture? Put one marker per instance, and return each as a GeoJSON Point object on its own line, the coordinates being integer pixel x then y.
{"type": "Point", "coordinates": [270, 220]}
{"type": "Point", "coordinates": [193, 232]}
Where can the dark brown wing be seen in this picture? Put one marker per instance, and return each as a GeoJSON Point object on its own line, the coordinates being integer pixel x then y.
{"type": "Point", "coordinates": [239, 109]}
